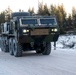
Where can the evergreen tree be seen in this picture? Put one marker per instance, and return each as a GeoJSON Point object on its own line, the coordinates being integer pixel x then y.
{"type": "Point", "coordinates": [74, 16]}
{"type": "Point", "coordinates": [2, 17]}
{"type": "Point", "coordinates": [31, 11]}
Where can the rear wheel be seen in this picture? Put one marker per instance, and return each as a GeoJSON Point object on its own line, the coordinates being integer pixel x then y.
{"type": "Point", "coordinates": [2, 43]}
{"type": "Point", "coordinates": [17, 49]}
{"type": "Point", "coordinates": [47, 49]}
{"type": "Point", "coordinates": [6, 47]}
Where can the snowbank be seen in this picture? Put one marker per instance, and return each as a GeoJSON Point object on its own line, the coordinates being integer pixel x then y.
{"type": "Point", "coordinates": [66, 41]}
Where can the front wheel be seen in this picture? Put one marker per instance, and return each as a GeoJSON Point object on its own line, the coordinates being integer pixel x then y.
{"type": "Point", "coordinates": [47, 49]}
{"type": "Point", "coordinates": [10, 46]}
{"type": "Point", "coordinates": [17, 49]}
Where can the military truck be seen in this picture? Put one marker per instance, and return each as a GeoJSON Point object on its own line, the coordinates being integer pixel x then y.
{"type": "Point", "coordinates": [26, 33]}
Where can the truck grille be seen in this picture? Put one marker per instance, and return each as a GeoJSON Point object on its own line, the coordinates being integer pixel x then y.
{"type": "Point", "coordinates": [40, 32]}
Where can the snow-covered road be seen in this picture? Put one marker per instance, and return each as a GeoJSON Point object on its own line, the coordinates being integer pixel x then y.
{"type": "Point", "coordinates": [59, 62]}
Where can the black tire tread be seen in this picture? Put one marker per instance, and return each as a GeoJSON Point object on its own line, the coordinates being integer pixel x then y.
{"type": "Point", "coordinates": [10, 49]}
{"type": "Point", "coordinates": [19, 50]}
{"type": "Point", "coordinates": [47, 49]}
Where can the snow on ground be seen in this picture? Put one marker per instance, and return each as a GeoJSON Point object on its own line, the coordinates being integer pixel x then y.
{"type": "Point", "coordinates": [65, 41]}
{"type": "Point", "coordinates": [59, 62]}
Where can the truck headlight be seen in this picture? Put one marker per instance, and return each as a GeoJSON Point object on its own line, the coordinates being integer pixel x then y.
{"type": "Point", "coordinates": [52, 30]}
{"type": "Point", "coordinates": [24, 31]}
{"type": "Point", "coordinates": [55, 30]}
{"type": "Point", "coordinates": [27, 30]}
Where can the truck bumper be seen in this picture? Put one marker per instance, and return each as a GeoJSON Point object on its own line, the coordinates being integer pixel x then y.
{"type": "Point", "coordinates": [45, 38]}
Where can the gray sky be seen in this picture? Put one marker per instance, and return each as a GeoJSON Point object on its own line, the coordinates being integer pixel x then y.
{"type": "Point", "coordinates": [15, 5]}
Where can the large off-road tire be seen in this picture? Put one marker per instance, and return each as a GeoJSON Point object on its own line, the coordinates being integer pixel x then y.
{"type": "Point", "coordinates": [6, 47]}
{"type": "Point", "coordinates": [47, 49]}
{"type": "Point", "coordinates": [17, 49]}
{"type": "Point", "coordinates": [11, 46]}
{"type": "Point", "coordinates": [2, 43]}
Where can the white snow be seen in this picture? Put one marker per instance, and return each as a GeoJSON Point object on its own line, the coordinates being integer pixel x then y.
{"type": "Point", "coordinates": [0, 49]}
{"type": "Point", "coordinates": [65, 41]}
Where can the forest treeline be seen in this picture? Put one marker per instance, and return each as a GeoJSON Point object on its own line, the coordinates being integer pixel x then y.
{"type": "Point", "coordinates": [65, 22]}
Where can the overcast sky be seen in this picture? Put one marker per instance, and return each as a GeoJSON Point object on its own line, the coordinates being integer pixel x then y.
{"type": "Point", "coordinates": [15, 5]}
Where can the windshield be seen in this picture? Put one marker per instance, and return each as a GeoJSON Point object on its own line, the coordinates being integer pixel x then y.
{"type": "Point", "coordinates": [29, 21]}
{"type": "Point", "coordinates": [47, 21]}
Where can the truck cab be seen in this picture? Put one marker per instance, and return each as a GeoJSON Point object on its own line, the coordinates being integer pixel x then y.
{"type": "Point", "coordinates": [36, 33]}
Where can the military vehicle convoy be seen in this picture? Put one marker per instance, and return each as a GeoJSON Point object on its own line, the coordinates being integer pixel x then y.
{"type": "Point", "coordinates": [26, 33]}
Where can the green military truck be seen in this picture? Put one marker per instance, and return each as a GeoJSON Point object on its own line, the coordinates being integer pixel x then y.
{"type": "Point", "coordinates": [26, 33]}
